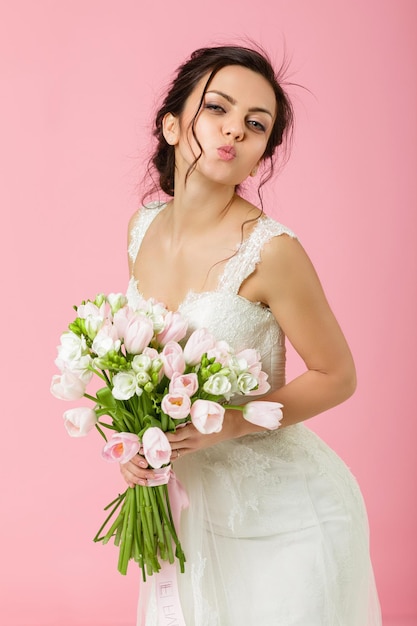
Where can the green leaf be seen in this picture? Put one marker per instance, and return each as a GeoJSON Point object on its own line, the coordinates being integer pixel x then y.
{"type": "Point", "coordinates": [105, 398]}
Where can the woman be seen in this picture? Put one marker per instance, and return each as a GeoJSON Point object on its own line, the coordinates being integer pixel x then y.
{"type": "Point", "coordinates": [276, 531]}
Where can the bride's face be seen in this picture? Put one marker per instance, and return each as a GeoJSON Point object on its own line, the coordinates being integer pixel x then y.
{"type": "Point", "coordinates": [232, 127]}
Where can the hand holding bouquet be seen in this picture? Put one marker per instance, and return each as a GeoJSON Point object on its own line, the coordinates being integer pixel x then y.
{"type": "Point", "coordinates": [153, 380]}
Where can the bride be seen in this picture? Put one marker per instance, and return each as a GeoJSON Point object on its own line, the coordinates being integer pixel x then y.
{"type": "Point", "coordinates": [276, 530]}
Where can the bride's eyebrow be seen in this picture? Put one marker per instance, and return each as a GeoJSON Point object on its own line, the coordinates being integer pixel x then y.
{"type": "Point", "coordinates": [233, 101]}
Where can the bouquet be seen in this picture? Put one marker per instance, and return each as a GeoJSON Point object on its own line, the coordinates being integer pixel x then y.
{"type": "Point", "coordinates": [152, 381]}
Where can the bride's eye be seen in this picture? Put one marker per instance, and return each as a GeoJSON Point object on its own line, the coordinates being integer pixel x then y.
{"type": "Point", "coordinates": [256, 125]}
{"type": "Point", "coordinates": [216, 108]}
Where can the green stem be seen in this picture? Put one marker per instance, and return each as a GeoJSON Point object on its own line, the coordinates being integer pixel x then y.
{"type": "Point", "coordinates": [164, 501]}
{"type": "Point", "coordinates": [100, 431]}
{"type": "Point", "coordinates": [148, 543]}
{"type": "Point", "coordinates": [118, 500]}
{"type": "Point", "coordinates": [93, 398]}
{"type": "Point", "coordinates": [140, 534]}
{"type": "Point", "coordinates": [232, 406]}
{"type": "Point", "coordinates": [168, 541]}
{"type": "Point", "coordinates": [127, 532]}
{"type": "Point", "coordinates": [114, 527]}
{"type": "Point", "coordinates": [107, 425]}
{"type": "Point", "coordinates": [122, 564]}
{"type": "Point", "coordinates": [157, 520]}
{"type": "Point", "coordinates": [104, 376]}
{"type": "Point", "coordinates": [100, 374]}
{"type": "Point", "coordinates": [120, 496]}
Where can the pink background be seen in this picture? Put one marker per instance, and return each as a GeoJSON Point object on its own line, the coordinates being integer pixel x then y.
{"type": "Point", "coordinates": [81, 81]}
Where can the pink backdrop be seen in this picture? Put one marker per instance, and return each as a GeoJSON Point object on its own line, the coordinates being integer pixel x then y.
{"type": "Point", "coordinates": [81, 81]}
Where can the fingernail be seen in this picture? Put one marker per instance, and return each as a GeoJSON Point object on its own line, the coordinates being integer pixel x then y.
{"type": "Point", "coordinates": [143, 464]}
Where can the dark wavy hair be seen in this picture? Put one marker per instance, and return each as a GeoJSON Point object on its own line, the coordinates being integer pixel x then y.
{"type": "Point", "coordinates": [186, 79]}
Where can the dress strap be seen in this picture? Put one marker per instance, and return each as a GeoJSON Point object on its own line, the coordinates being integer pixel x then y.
{"type": "Point", "coordinates": [143, 219]}
{"type": "Point", "coordinates": [244, 262]}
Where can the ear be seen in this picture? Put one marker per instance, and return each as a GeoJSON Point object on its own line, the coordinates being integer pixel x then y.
{"type": "Point", "coordinates": [170, 129]}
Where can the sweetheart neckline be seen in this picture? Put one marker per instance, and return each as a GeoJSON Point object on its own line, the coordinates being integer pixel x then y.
{"type": "Point", "coordinates": [195, 295]}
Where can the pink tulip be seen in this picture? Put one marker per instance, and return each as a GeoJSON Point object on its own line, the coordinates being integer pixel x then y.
{"type": "Point", "coordinates": [183, 383]}
{"type": "Point", "coordinates": [151, 353]}
{"type": "Point", "coordinates": [138, 334]}
{"type": "Point", "coordinates": [175, 328]}
{"type": "Point", "coordinates": [207, 416]}
{"type": "Point", "coordinates": [176, 405]}
{"type": "Point", "coordinates": [173, 359]}
{"type": "Point", "coordinates": [221, 352]}
{"type": "Point", "coordinates": [121, 447]}
{"type": "Point", "coordinates": [121, 319]}
{"type": "Point", "coordinates": [262, 413]}
{"type": "Point", "coordinates": [156, 447]}
{"type": "Point", "coordinates": [67, 386]}
{"type": "Point", "coordinates": [199, 342]}
{"type": "Point", "coordinates": [80, 421]}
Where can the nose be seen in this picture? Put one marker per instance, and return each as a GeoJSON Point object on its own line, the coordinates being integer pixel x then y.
{"type": "Point", "coordinates": [233, 127]}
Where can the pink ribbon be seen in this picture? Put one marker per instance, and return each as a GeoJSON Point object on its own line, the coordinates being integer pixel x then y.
{"type": "Point", "coordinates": [167, 594]}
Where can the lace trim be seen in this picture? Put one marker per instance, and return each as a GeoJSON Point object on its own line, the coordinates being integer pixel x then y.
{"type": "Point", "coordinates": [244, 263]}
{"type": "Point", "coordinates": [143, 220]}
{"type": "Point", "coordinates": [239, 267]}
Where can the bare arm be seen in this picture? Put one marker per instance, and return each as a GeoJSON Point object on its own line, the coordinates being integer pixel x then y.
{"type": "Point", "coordinates": [290, 287]}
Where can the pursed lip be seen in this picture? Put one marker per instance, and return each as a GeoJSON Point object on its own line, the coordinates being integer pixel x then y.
{"type": "Point", "coordinates": [226, 152]}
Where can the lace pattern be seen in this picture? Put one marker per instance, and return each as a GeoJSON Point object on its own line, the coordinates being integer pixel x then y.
{"type": "Point", "coordinates": [243, 264]}
{"type": "Point", "coordinates": [143, 220]}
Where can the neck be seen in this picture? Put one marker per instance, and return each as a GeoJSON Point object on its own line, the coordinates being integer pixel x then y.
{"type": "Point", "coordinates": [200, 203]}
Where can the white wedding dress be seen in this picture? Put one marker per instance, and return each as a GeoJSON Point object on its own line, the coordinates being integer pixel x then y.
{"type": "Point", "coordinates": [276, 532]}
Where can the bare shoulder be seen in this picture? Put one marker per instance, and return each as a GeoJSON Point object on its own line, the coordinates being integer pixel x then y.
{"type": "Point", "coordinates": [284, 247]}
{"type": "Point", "coordinates": [286, 269]}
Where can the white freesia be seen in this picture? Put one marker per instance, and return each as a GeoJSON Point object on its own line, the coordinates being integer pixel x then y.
{"type": "Point", "coordinates": [156, 365]}
{"type": "Point", "coordinates": [125, 386]}
{"type": "Point", "coordinates": [142, 378]}
{"type": "Point", "coordinates": [252, 359]}
{"type": "Point", "coordinates": [93, 323]}
{"type": "Point", "coordinates": [116, 301]}
{"type": "Point", "coordinates": [218, 385]}
{"type": "Point", "coordinates": [237, 365]}
{"type": "Point", "coordinates": [72, 348]}
{"type": "Point", "coordinates": [82, 368]}
{"type": "Point", "coordinates": [141, 363]}
{"type": "Point", "coordinates": [157, 313]}
{"type": "Point", "coordinates": [246, 382]}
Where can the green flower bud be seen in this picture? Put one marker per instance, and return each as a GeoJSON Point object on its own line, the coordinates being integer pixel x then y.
{"type": "Point", "coordinates": [215, 367]}
{"type": "Point", "coordinates": [99, 299]}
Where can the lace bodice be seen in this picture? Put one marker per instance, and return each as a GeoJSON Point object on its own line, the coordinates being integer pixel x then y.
{"type": "Point", "coordinates": [229, 316]}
